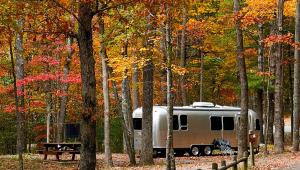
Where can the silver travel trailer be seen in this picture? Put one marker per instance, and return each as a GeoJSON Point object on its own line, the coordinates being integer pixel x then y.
{"type": "Point", "coordinates": [197, 129]}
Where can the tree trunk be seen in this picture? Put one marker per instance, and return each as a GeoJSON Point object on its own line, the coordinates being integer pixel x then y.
{"type": "Point", "coordinates": [296, 95]}
{"type": "Point", "coordinates": [20, 62]}
{"type": "Point", "coordinates": [87, 66]}
{"type": "Point", "coordinates": [290, 96]}
{"type": "Point", "coordinates": [147, 104]}
{"type": "Point", "coordinates": [260, 91]}
{"type": "Point", "coordinates": [201, 76]}
{"type": "Point", "coordinates": [20, 119]}
{"type": "Point", "coordinates": [64, 89]}
{"type": "Point", "coordinates": [163, 72]}
{"type": "Point", "coordinates": [243, 126]}
{"type": "Point", "coordinates": [272, 63]}
{"type": "Point", "coordinates": [147, 146]}
{"type": "Point", "coordinates": [119, 110]}
{"type": "Point", "coordinates": [270, 137]}
{"type": "Point", "coordinates": [183, 55]}
{"type": "Point", "coordinates": [108, 155]}
{"type": "Point", "coordinates": [169, 147]}
{"type": "Point", "coordinates": [135, 87]}
{"type": "Point", "coordinates": [126, 110]}
{"type": "Point", "coordinates": [278, 114]}
{"type": "Point", "coordinates": [48, 109]}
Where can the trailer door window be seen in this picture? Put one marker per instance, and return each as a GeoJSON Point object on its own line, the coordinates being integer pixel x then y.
{"type": "Point", "coordinates": [215, 123]}
{"type": "Point", "coordinates": [175, 122]}
{"type": "Point", "coordinates": [183, 122]}
{"type": "Point", "coordinates": [257, 127]}
{"type": "Point", "coordinates": [137, 123]}
{"type": "Point", "coordinates": [228, 123]}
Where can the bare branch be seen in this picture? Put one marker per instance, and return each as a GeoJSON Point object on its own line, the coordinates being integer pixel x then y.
{"type": "Point", "coordinates": [67, 33]}
{"type": "Point", "coordinates": [64, 8]}
{"type": "Point", "coordinates": [106, 7]}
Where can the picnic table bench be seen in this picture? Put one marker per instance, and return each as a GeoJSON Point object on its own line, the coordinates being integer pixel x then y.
{"type": "Point", "coordinates": [58, 149]}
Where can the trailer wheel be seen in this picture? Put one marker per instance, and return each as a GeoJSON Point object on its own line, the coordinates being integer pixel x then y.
{"type": "Point", "coordinates": [195, 150]}
{"type": "Point", "coordinates": [207, 150]}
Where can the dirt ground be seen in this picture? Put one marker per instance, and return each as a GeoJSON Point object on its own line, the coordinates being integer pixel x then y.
{"type": "Point", "coordinates": [287, 160]}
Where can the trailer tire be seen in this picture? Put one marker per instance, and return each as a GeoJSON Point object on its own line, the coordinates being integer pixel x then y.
{"type": "Point", "coordinates": [195, 151]}
{"type": "Point", "coordinates": [207, 150]}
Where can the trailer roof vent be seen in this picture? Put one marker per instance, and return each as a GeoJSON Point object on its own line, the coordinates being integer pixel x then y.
{"type": "Point", "coordinates": [203, 104]}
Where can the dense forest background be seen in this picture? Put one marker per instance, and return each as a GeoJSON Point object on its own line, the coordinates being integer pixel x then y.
{"type": "Point", "coordinates": [41, 63]}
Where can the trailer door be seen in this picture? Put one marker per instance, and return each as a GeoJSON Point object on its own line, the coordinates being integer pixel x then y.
{"type": "Point", "coordinates": [228, 128]}
{"type": "Point", "coordinates": [215, 127]}
{"type": "Point", "coordinates": [137, 126]}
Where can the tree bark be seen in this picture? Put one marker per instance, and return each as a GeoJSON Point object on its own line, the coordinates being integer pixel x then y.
{"type": "Point", "coordinates": [147, 146]}
{"type": "Point", "coordinates": [108, 155]}
{"type": "Point", "coordinates": [48, 109]}
{"type": "Point", "coordinates": [183, 54]}
{"type": "Point", "coordinates": [127, 114]}
{"type": "Point", "coordinates": [64, 89]}
{"type": "Point", "coordinates": [278, 114]}
{"type": "Point", "coordinates": [270, 112]}
{"type": "Point", "coordinates": [87, 66]}
{"type": "Point", "coordinates": [20, 119]}
{"type": "Point", "coordinates": [169, 147]}
{"type": "Point", "coordinates": [260, 91]}
{"type": "Point", "coordinates": [296, 94]}
{"type": "Point", "coordinates": [20, 62]}
{"type": "Point", "coordinates": [147, 104]}
{"type": "Point", "coordinates": [135, 87]}
{"type": "Point", "coordinates": [243, 126]}
{"type": "Point", "coordinates": [201, 76]}
{"type": "Point", "coordinates": [163, 72]}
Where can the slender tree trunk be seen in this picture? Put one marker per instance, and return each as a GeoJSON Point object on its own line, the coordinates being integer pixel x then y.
{"type": "Point", "coordinates": [290, 96]}
{"type": "Point", "coordinates": [127, 144]}
{"type": "Point", "coordinates": [271, 116]}
{"type": "Point", "coordinates": [20, 62]}
{"type": "Point", "coordinates": [296, 95]}
{"type": "Point", "coordinates": [48, 109]}
{"type": "Point", "coordinates": [64, 89]}
{"type": "Point", "coordinates": [135, 87]}
{"type": "Point", "coordinates": [108, 155]}
{"type": "Point", "coordinates": [169, 148]}
{"type": "Point", "coordinates": [260, 91]}
{"type": "Point", "coordinates": [201, 75]}
{"type": "Point", "coordinates": [272, 69]}
{"type": "Point", "coordinates": [87, 66]}
{"type": "Point", "coordinates": [183, 54]}
{"type": "Point", "coordinates": [163, 72]}
{"type": "Point", "coordinates": [243, 126]}
{"type": "Point", "coordinates": [126, 110]}
{"type": "Point", "coordinates": [20, 127]}
{"type": "Point", "coordinates": [278, 114]}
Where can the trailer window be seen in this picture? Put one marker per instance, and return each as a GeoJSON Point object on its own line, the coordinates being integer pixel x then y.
{"type": "Point", "coordinates": [137, 123]}
{"type": "Point", "coordinates": [215, 123]}
{"type": "Point", "coordinates": [228, 123]}
{"type": "Point", "coordinates": [175, 122]}
{"type": "Point", "coordinates": [257, 125]}
{"type": "Point", "coordinates": [183, 122]}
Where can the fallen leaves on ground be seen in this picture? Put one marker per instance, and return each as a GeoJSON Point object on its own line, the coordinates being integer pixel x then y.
{"type": "Point", "coordinates": [287, 160]}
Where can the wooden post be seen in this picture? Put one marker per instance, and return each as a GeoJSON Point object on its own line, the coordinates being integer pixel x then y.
{"type": "Point", "coordinates": [214, 166]}
{"type": "Point", "coordinates": [223, 163]}
{"type": "Point", "coordinates": [246, 161]}
{"type": "Point", "coordinates": [252, 163]}
{"type": "Point", "coordinates": [235, 161]}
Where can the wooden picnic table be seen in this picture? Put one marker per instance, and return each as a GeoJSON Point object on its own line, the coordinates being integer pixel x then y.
{"type": "Point", "coordinates": [58, 149]}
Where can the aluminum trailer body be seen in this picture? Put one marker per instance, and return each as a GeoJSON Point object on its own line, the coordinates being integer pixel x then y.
{"type": "Point", "coordinates": [196, 129]}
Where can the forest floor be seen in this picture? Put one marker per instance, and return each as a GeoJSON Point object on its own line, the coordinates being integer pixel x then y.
{"type": "Point", "coordinates": [288, 160]}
